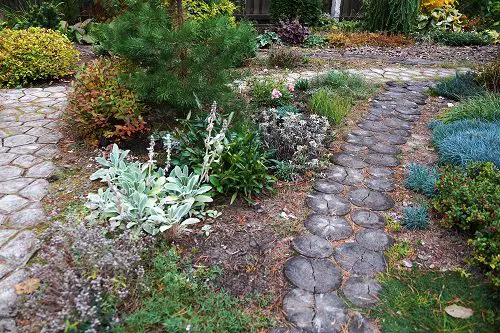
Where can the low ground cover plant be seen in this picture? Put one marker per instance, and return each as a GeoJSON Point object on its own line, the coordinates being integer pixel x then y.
{"type": "Point", "coordinates": [34, 54]}
{"type": "Point", "coordinates": [414, 300]}
{"type": "Point", "coordinates": [268, 38]}
{"type": "Point", "coordinates": [101, 106]}
{"type": "Point", "coordinates": [463, 38]}
{"type": "Point", "coordinates": [468, 200]}
{"type": "Point", "coordinates": [345, 84]}
{"type": "Point", "coordinates": [84, 276]}
{"type": "Point", "coordinates": [415, 217]}
{"type": "Point", "coordinates": [178, 298]}
{"type": "Point", "coordinates": [486, 108]}
{"type": "Point", "coordinates": [356, 39]}
{"type": "Point", "coordinates": [465, 141]}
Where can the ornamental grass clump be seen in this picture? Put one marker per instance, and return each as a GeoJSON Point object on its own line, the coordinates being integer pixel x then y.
{"type": "Point", "coordinates": [33, 55]}
{"type": "Point", "coordinates": [327, 104]}
{"type": "Point", "coordinates": [466, 141]}
{"type": "Point", "coordinates": [486, 108]}
{"type": "Point", "coordinates": [394, 16]}
{"type": "Point", "coordinates": [459, 88]}
{"type": "Point", "coordinates": [415, 217]}
{"type": "Point", "coordinates": [422, 179]}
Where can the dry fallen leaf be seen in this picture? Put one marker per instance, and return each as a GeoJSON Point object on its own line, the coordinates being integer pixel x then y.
{"type": "Point", "coordinates": [27, 287]}
{"type": "Point", "coordinates": [457, 311]}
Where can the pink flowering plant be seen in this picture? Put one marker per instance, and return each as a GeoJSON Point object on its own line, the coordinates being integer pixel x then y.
{"type": "Point", "coordinates": [267, 92]}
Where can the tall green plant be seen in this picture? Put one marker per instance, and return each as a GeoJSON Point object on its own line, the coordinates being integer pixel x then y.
{"type": "Point", "coordinates": [395, 16]}
{"type": "Point", "coordinates": [177, 67]}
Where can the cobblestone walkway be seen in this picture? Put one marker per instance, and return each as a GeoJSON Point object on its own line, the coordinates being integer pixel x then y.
{"type": "Point", "coordinates": [382, 75]}
{"type": "Point", "coordinates": [28, 134]}
{"type": "Point", "coordinates": [344, 249]}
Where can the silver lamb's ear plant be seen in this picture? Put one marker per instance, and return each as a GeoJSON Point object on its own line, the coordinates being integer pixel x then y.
{"type": "Point", "coordinates": [141, 197]}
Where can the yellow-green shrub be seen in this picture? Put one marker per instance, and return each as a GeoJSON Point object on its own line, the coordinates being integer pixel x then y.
{"type": "Point", "coordinates": [34, 54]}
{"type": "Point", "coordinates": [201, 10]}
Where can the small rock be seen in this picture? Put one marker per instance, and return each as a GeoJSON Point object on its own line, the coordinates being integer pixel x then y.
{"type": "Point", "coordinates": [457, 311]}
{"type": "Point", "coordinates": [407, 263]}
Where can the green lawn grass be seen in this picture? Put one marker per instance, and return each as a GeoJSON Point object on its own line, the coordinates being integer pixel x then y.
{"type": "Point", "coordinates": [415, 301]}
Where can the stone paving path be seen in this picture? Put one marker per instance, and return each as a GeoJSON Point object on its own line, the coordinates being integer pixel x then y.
{"type": "Point", "coordinates": [382, 75]}
{"type": "Point", "coordinates": [28, 137]}
{"type": "Point", "coordinates": [343, 251]}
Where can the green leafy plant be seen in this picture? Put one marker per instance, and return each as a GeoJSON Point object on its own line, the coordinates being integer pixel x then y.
{"type": "Point", "coordinates": [140, 196]}
{"type": "Point", "coordinates": [422, 179]}
{"type": "Point", "coordinates": [34, 54]}
{"type": "Point", "coordinates": [485, 108]}
{"type": "Point", "coordinates": [283, 57]}
{"type": "Point", "coordinates": [447, 18]}
{"type": "Point", "coordinates": [268, 38]}
{"type": "Point", "coordinates": [459, 87]}
{"type": "Point", "coordinates": [315, 41]}
{"type": "Point", "coordinates": [41, 14]}
{"type": "Point", "coordinates": [397, 252]}
{"type": "Point", "coordinates": [324, 103]}
{"type": "Point", "coordinates": [100, 106]}
{"type": "Point", "coordinates": [202, 10]}
{"type": "Point", "coordinates": [285, 170]}
{"type": "Point", "coordinates": [243, 168]}
{"type": "Point", "coordinates": [78, 32]}
{"type": "Point", "coordinates": [415, 217]}
{"type": "Point", "coordinates": [178, 67]}
{"type": "Point", "coordinates": [395, 16]}
{"type": "Point", "coordinates": [468, 200]}
{"type": "Point", "coordinates": [307, 11]}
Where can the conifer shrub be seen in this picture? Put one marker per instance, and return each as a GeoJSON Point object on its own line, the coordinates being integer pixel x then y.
{"type": "Point", "coordinates": [395, 16]}
{"type": "Point", "coordinates": [101, 106]}
{"type": "Point", "coordinates": [34, 54]}
{"type": "Point", "coordinates": [466, 141]}
{"type": "Point", "coordinates": [462, 38]}
{"type": "Point", "coordinates": [177, 67]}
{"type": "Point", "coordinates": [307, 11]}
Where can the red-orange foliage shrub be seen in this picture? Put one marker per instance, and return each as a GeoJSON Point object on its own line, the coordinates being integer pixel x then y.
{"type": "Point", "coordinates": [101, 106]}
{"type": "Point", "coordinates": [354, 39]}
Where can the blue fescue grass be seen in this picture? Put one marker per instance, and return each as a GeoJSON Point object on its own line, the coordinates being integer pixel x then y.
{"type": "Point", "coordinates": [459, 87]}
{"type": "Point", "coordinates": [422, 179]}
{"type": "Point", "coordinates": [415, 217]}
{"type": "Point", "coordinates": [466, 141]}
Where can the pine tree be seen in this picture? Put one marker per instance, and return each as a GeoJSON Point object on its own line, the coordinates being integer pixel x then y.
{"type": "Point", "coordinates": [177, 66]}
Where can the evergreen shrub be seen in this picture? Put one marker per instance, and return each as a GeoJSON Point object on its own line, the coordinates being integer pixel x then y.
{"type": "Point", "coordinates": [34, 54]}
{"type": "Point", "coordinates": [100, 106]}
{"type": "Point", "coordinates": [307, 11]}
{"type": "Point", "coordinates": [469, 200]}
{"type": "Point", "coordinates": [179, 67]}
